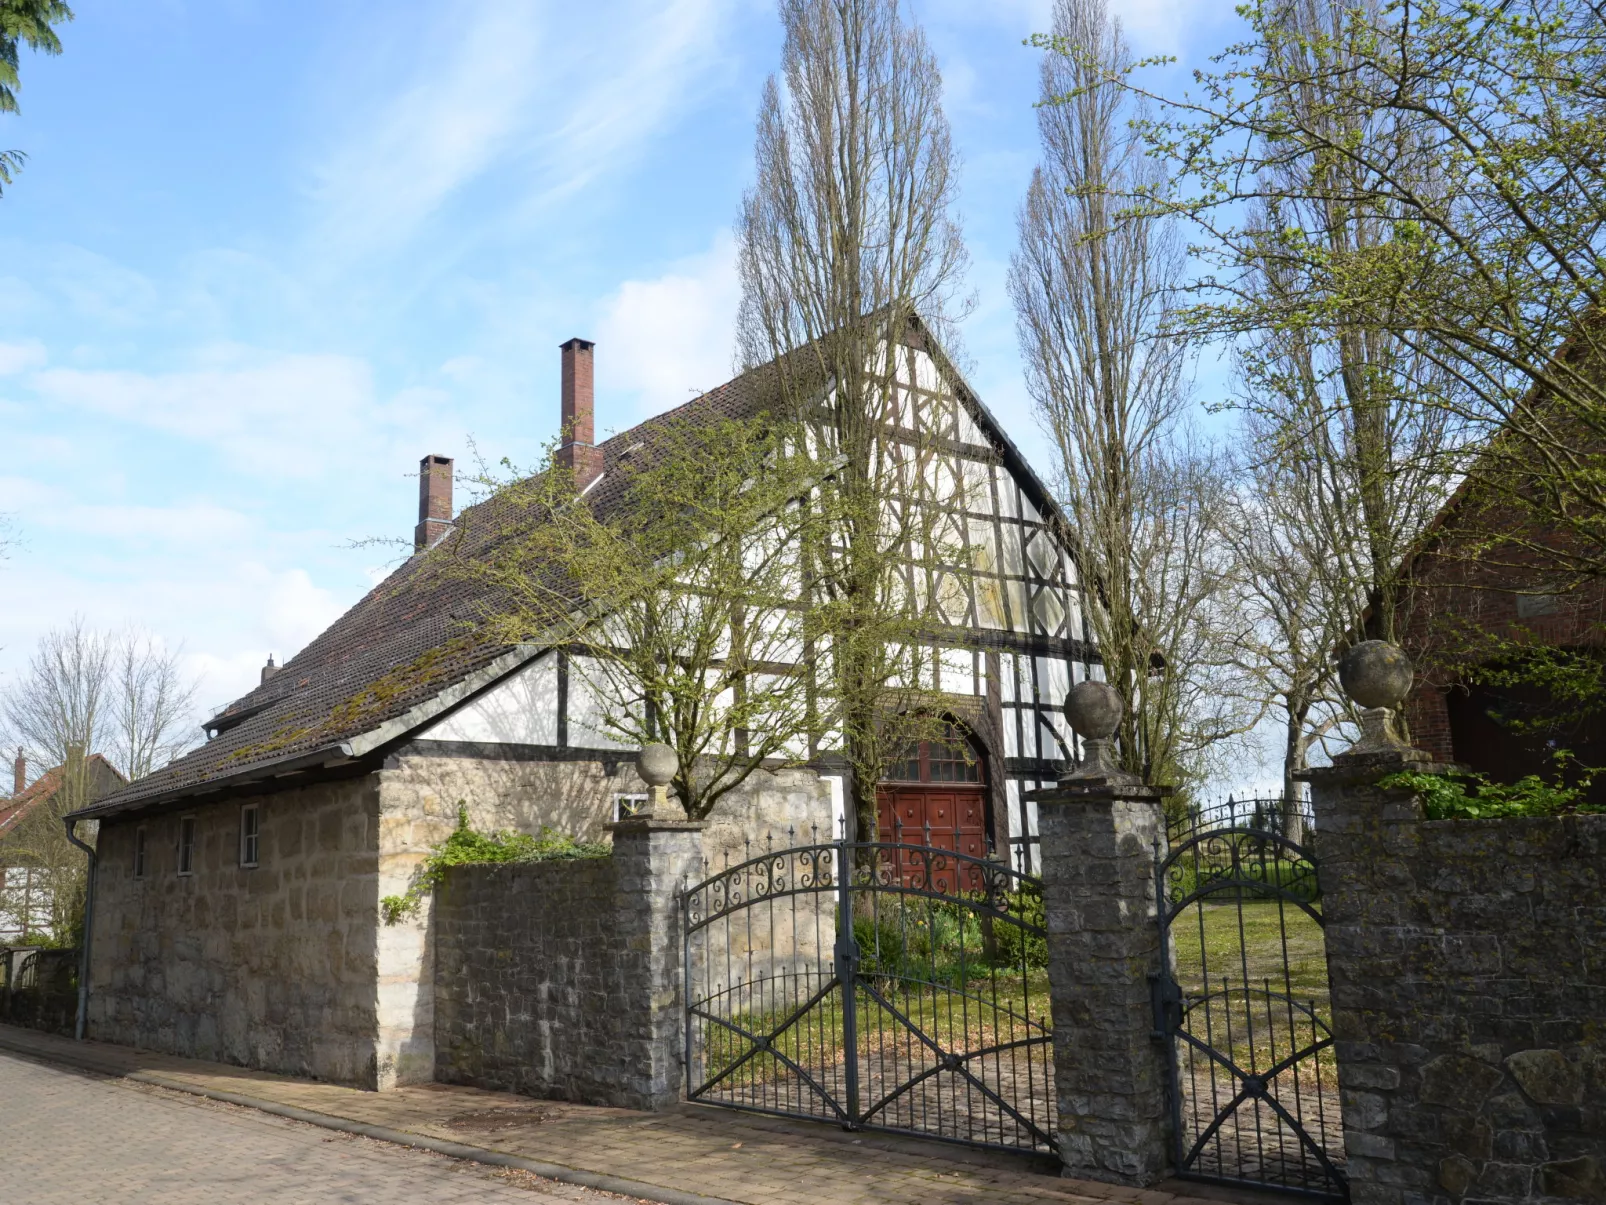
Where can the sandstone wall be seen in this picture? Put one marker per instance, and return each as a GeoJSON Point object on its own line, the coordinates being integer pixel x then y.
{"type": "Point", "coordinates": [1468, 967]}
{"type": "Point", "coordinates": [270, 967]}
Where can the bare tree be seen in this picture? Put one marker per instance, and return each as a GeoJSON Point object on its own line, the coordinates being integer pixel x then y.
{"type": "Point", "coordinates": [120, 694]}
{"type": "Point", "coordinates": [848, 235]}
{"type": "Point", "coordinates": [679, 605]}
{"type": "Point", "coordinates": [1095, 287]}
{"type": "Point", "coordinates": [152, 703]}
{"type": "Point", "coordinates": [85, 692]}
{"type": "Point", "coordinates": [1294, 601]}
{"type": "Point", "coordinates": [60, 701]}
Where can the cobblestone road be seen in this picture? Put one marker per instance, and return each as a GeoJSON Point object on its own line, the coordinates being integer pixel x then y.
{"type": "Point", "coordinates": [70, 1137]}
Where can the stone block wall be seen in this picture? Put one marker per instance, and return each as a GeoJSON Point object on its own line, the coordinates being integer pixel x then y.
{"type": "Point", "coordinates": [562, 979]}
{"type": "Point", "coordinates": [271, 966]}
{"type": "Point", "coordinates": [1468, 967]}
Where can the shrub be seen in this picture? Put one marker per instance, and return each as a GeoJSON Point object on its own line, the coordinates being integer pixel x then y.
{"type": "Point", "coordinates": [1017, 946]}
{"type": "Point", "coordinates": [1473, 797]}
{"type": "Point", "coordinates": [467, 847]}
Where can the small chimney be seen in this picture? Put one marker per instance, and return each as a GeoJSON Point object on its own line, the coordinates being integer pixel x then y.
{"type": "Point", "coordinates": [434, 501]}
{"type": "Point", "coordinates": [19, 768]}
{"type": "Point", "coordinates": [578, 451]}
{"type": "Point", "coordinates": [269, 669]}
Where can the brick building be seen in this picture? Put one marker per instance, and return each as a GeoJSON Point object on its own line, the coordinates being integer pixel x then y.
{"type": "Point", "coordinates": [1473, 598]}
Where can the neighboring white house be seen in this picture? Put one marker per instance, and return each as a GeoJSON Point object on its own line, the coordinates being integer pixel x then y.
{"type": "Point", "coordinates": [29, 827]}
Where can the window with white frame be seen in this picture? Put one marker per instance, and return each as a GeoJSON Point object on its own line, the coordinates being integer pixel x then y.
{"type": "Point", "coordinates": [186, 845]}
{"type": "Point", "coordinates": [625, 806]}
{"type": "Point", "coordinates": [139, 852]}
{"type": "Point", "coordinates": [250, 825]}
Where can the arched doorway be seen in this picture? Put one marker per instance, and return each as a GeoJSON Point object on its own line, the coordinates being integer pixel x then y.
{"type": "Point", "coordinates": [935, 796]}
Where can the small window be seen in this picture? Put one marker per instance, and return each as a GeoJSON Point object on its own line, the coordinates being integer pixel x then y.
{"type": "Point", "coordinates": [250, 819]}
{"type": "Point", "coordinates": [139, 852]}
{"type": "Point", "coordinates": [949, 758]}
{"type": "Point", "coordinates": [186, 845]}
{"type": "Point", "coordinates": [626, 806]}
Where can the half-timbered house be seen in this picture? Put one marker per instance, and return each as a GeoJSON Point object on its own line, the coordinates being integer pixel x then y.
{"type": "Point", "coordinates": [238, 890]}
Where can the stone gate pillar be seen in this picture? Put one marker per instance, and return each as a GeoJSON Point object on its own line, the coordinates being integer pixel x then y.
{"type": "Point", "coordinates": [1100, 828]}
{"type": "Point", "coordinates": [656, 855]}
{"type": "Point", "coordinates": [1365, 836]}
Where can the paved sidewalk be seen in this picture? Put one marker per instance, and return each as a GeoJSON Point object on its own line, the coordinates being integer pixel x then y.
{"type": "Point", "coordinates": [76, 1137]}
{"type": "Point", "coordinates": [685, 1156]}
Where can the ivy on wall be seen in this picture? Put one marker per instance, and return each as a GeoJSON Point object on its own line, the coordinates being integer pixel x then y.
{"type": "Point", "coordinates": [467, 847]}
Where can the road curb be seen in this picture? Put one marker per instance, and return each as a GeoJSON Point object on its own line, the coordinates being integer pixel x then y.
{"type": "Point", "coordinates": [440, 1146]}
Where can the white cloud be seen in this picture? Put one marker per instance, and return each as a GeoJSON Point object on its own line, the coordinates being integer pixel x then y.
{"type": "Point", "coordinates": [441, 130]}
{"type": "Point", "coordinates": [148, 524]}
{"type": "Point", "coordinates": [1169, 26]}
{"type": "Point", "coordinates": [627, 86]}
{"type": "Point", "coordinates": [294, 610]}
{"type": "Point", "coordinates": [514, 86]}
{"type": "Point", "coordinates": [290, 414]}
{"type": "Point", "coordinates": [667, 338]}
{"type": "Point", "coordinates": [19, 357]}
{"type": "Point", "coordinates": [270, 611]}
{"type": "Point", "coordinates": [101, 290]}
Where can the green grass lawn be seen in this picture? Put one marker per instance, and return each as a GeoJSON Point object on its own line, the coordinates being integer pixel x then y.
{"type": "Point", "coordinates": [960, 1017]}
{"type": "Point", "coordinates": [1248, 942]}
{"type": "Point", "coordinates": [1234, 943]}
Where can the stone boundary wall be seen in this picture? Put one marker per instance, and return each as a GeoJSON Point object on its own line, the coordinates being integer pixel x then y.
{"type": "Point", "coordinates": [562, 979]}
{"type": "Point", "coordinates": [39, 988]}
{"type": "Point", "coordinates": [1468, 966]}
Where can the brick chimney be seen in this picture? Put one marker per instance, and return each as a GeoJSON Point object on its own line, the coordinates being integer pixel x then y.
{"type": "Point", "coordinates": [578, 451]}
{"type": "Point", "coordinates": [19, 769]}
{"type": "Point", "coordinates": [269, 669]}
{"type": "Point", "coordinates": [434, 501]}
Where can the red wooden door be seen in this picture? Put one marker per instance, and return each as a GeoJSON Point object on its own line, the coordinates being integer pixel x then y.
{"type": "Point", "coordinates": [936, 817]}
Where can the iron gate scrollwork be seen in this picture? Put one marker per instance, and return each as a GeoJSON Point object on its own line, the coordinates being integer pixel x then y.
{"type": "Point", "coordinates": [1243, 1004]}
{"type": "Point", "coordinates": [878, 985]}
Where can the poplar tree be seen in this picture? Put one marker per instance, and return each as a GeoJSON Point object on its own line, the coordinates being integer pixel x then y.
{"type": "Point", "coordinates": [1095, 286]}
{"type": "Point", "coordinates": [849, 247]}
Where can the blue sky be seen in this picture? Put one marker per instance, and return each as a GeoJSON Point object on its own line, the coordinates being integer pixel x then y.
{"type": "Point", "coordinates": [264, 256]}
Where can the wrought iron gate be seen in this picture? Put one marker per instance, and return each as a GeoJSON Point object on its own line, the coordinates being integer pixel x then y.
{"type": "Point", "coordinates": [876, 985]}
{"type": "Point", "coordinates": [1244, 1003]}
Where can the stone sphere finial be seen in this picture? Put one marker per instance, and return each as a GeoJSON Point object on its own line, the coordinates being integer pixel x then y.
{"type": "Point", "coordinates": [1375, 674]}
{"type": "Point", "coordinates": [656, 763]}
{"type": "Point", "coordinates": [1094, 710]}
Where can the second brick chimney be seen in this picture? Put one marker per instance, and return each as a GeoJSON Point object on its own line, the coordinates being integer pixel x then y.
{"type": "Point", "coordinates": [19, 770]}
{"type": "Point", "coordinates": [578, 450]}
{"type": "Point", "coordinates": [434, 501]}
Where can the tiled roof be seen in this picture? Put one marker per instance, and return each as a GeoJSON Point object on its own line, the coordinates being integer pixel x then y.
{"type": "Point", "coordinates": [411, 639]}
{"type": "Point", "coordinates": [42, 789]}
